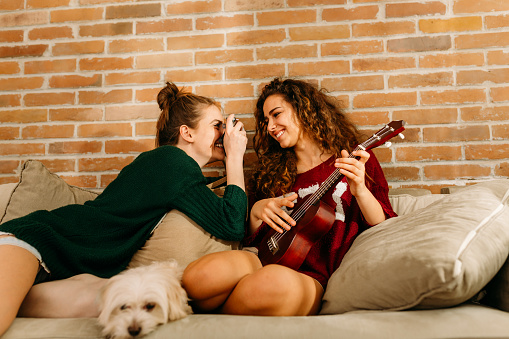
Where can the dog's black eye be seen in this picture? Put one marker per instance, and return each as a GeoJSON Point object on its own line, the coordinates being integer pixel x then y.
{"type": "Point", "coordinates": [124, 307]}
{"type": "Point", "coordinates": [149, 307]}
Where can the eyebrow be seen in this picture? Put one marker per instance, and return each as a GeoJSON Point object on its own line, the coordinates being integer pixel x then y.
{"type": "Point", "coordinates": [272, 110]}
{"type": "Point", "coordinates": [216, 121]}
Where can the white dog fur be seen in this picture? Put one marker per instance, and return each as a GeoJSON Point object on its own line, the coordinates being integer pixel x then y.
{"type": "Point", "coordinates": [134, 302]}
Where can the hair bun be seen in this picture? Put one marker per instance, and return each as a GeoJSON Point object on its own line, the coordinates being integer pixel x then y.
{"type": "Point", "coordinates": [167, 96]}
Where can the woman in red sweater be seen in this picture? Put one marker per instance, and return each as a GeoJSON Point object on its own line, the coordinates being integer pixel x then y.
{"type": "Point", "coordinates": [302, 136]}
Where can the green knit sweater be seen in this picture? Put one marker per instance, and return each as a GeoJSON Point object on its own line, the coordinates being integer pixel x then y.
{"type": "Point", "coordinates": [101, 236]}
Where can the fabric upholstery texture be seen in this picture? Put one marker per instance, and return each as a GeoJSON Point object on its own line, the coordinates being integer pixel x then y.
{"type": "Point", "coordinates": [439, 256]}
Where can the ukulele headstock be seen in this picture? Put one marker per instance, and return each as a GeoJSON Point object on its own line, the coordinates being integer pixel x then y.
{"type": "Point", "coordinates": [386, 133]}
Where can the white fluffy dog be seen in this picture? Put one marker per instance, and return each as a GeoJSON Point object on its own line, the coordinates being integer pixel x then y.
{"type": "Point", "coordinates": [134, 302]}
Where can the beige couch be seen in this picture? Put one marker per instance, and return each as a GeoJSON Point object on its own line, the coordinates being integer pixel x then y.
{"type": "Point", "coordinates": [415, 276]}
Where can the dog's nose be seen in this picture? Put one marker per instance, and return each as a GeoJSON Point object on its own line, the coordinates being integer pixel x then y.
{"type": "Point", "coordinates": [134, 330]}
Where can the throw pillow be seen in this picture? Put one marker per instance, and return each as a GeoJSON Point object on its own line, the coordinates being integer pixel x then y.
{"type": "Point", "coordinates": [438, 256]}
{"type": "Point", "coordinates": [39, 189]}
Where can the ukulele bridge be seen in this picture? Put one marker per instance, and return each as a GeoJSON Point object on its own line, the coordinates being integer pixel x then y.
{"type": "Point", "coordinates": [273, 245]}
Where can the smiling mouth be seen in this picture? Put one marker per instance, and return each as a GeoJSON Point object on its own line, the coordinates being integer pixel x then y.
{"type": "Point", "coordinates": [277, 136]}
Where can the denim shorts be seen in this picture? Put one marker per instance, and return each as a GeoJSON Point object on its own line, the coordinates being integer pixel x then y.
{"type": "Point", "coordinates": [43, 272]}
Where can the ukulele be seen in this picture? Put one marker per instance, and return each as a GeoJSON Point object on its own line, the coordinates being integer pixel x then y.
{"type": "Point", "coordinates": [314, 217]}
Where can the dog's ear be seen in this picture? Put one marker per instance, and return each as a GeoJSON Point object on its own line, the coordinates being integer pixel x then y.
{"type": "Point", "coordinates": [178, 306]}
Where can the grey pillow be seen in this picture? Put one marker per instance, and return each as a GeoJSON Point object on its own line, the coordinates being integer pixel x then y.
{"type": "Point", "coordinates": [438, 256]}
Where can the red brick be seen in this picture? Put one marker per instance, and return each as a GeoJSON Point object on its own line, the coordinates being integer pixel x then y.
{"type": "Point", "coordinates": [451, 60]}
{"type": "Point", "coordinates": [73, 81]}
{"type": "Point", "coordinates": [252, 5]}
{"type": "Point", "coordinates": [485, 113]}
{"type": "Point", "coordinates": [8, 166]}
{"type": "Point", "coordinates": [8, 133]}
{"type": "Point", "coordinates": [105, 97]}
{"type": "Point", "coordinates": [147, 94]}
{"type": "Point", "coordinates": [498, 58]}
{"type": "Point", "coordinates": [502, 169]}
{"type": "Point", "coordinates": [132, 112]}
{"type": "Point", "coordinates": [486, 152]}
{"type": "Point", "coordinates": [482, 40]}
{"type": "Point", "coordinates": [366, 100]}
{"type": "Point", "coordinates": [319, 32]}
{"type": "Point", "coordinates": [472, 6]}
{"type": "Point", "coordinates": [499, 94]}
{"type": "Point", "coordinates": [75, 147]}
{"type": "Point", "coordinates": [101, 64]}
{"type": "Point", "coordinates": [319, 68]}
{"type": "Point", "coordinates": [77, 14]}
{"type": "Point", "coordinates": [11, 36]}
{"type": "Point", "coordinates": [9, 67]}
{"type": "Point", "coordinates": [401, 173]}
{"type": "Point", "coordinates": [21, 149]}
{"type": "Point", "coordinates": [237, 90]}
{"type": "Point", "coordinates": [24, 115]}
{"type": "Point", "coordinates": [287, 52]}
{"type": "Point", "coordinates": [164, 26]}
{"type": "Point", "coordinates": [133, 11]}
{"type": "Point", "coordinates": [354, 83]}
{"type": "Point", "coordinates": [382, 64]}
{"type": "Point", "coordinates": [427, 116]}
{"type": "Point", "coordinates": [406, 9]}
{"type": "Point", "coordinates": [383, 28]}
{"type": "Point", "coordinates": [47, 131]}
{"type": "Point", "coordinates": [76, 48]}
{"type": "Point", "coordinates": [222, 21]}
{"type": "Point", "coordinates": [48, 99]}
{"type": "Point", "coordinates": [131, 78]}
{"type": "Point", "coordinates": [145, 128]}
{"type": "Point", "coordinates": [85, 181]}
{"type": "Point", "coordinates": [194, 7]}
{"type": "Point", "coordinates": [10, 100]}
{"type": "Point", "coordinates": [420, 44]}
{"type": "Point", "coordinates": [499, 21]}
{"type": "Point", "coordinates": [354, 13]}
{"type": "Point", "coordinates": [103, 164]}
{"type": "Point", "coordinates": [456, 133]}
{"type": "Point", "coordinates": [11, 5]}
{"type": "Point", "coordinates": [299, 3]}
{"type": "Point", "coordinates": [255, 37]}
{"type": "Point", "coordinates": [258, 71]}
{"type": "Point", "coordinates": [368, 118]}
{"type": "Point", "coordinates": [428, 153]}
{"type": "Point", "coordinates": [59, 165]}
{"type": "Point", "coordinates": [224, 56]}
{"type": "Point", "coordinates": [283, 17]}
{"type": "Point", "coordinates": [416, 80]}
{"type": "Point", "coordinates": [100, 30]}
{"type": "Point", "coordinates": [105, 130]}
{"type": "Point", "coordinates": [460, 96]}
{"type": "Point", "coordinates": [136, 45]}
{"type": "Point", "coordinates": [129, 146]}
{"type": "Point", "coordinates": [240, 106]}
{"type": "Point", "coordinates": [196, 41]}
{"type": "Point", "coordinates": [501, 132]}
{"type": "Point", "coordinates": [164, 60]}
{"type": "Point", "coordinates": [477, 77]}
{"type": "Point", "coordinates": [460, 171]}
{"type": "Point", "coordinates": [22, 18]}
{"type": "Point", "coordinates": [50, 33]}
{"type": "Point", "coordinates": [106, 179]}
{"type": "Point", "coordinates": [459, 24]}
{"type": "Point", "coordinates": [195, 74]}
{"type": "Point", "coordinates": [75, 114]}
{"type": "Point", "coordinates": [50, 66]}
{"type": "Point", "coordinates": [23, 51]}
{"type": "Point", "coordinates": [13, 84]}
{"type": "Point", "coordinates": [46, 3]}
{"type": "Point", "coordinates": [352, 47]}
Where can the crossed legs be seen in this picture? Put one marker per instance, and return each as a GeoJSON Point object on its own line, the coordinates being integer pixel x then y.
{"type": "Point", "coordinates": [234, 282]}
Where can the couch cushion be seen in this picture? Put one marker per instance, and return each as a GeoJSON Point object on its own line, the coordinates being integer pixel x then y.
{"type": "Point", "coordinates": [405, 203]}
{"type": "Point", "coordinates": [438, 256]}
{"type": "Point", "coordinates": [497, 291]}
{"type": "Point", "coordinates": [39, 189]}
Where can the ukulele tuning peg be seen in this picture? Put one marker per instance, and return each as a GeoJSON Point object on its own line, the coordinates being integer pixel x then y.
{"type": "Point", "coordinates": [401, 136]}
{"type": "Point", "coordinates": [388, 144]}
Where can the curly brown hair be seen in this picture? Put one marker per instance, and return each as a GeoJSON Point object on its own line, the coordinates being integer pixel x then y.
{"type": "Point", "coordinates": [321, 118]}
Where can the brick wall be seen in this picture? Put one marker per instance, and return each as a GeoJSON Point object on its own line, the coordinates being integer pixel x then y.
{"type": "Point", "coordinates": [78, 78]}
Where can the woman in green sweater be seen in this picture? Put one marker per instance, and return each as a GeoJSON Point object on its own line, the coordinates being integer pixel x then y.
{"type": "Point", "coordinates": [73, 245]}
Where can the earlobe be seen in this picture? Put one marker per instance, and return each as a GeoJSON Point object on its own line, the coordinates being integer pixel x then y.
{"type": "Point", "coordinates": [185, 133]}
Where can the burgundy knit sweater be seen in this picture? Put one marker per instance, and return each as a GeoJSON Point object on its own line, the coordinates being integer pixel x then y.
{"type": "Point", "coordinates": [326, 255]}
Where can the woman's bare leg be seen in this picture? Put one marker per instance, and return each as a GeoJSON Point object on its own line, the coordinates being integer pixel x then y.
{"type": "Point", "coordinates": [210, 279]}
{"type": "Point", "coordinates": [18, 269]}
{"type": "Point", "coordinates": [75, 297]}
{"type": "Point", "coordinates": [275, 290]}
